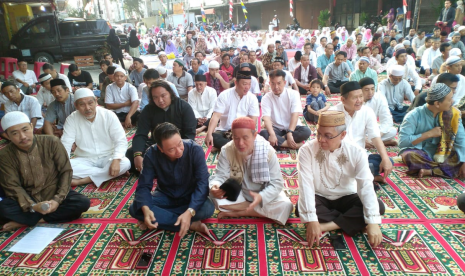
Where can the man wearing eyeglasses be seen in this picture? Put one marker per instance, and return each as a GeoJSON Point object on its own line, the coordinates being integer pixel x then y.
{"type": "Point", "coordinates": [336, 185]}
{"type": "Point", "coordinates": [361, 124]}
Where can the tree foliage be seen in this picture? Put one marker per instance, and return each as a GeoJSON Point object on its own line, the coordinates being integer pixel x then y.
{"type": "Point", "coordinates": [133, 6]}
{"type": "Point", "coordinates": [323, 18]}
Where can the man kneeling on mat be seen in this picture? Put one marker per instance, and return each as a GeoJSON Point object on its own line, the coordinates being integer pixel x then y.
{"type": "Point", "coordinates": [252, 162]}
{"type": "Point", "coordinates": [35, 174]}
{"type": "Point", "coordinates": [336, 184]}
{"type": "Point", "coordinates": [180, 200]}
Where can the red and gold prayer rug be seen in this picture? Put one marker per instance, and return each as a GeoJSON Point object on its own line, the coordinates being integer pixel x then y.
{"type": "Point", "coordinates": [424, 234]}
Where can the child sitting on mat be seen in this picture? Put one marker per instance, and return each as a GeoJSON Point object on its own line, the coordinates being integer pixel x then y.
{"type": "Point", "coordinates": [316, 102]}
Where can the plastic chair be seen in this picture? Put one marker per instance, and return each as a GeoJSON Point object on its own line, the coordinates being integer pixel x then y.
{"type": "Point", "coordinates": [8, 67]}
{"type": "Point", "coordinates": [37, 67]}
{"type": "Point", "coordinates": [63, 67]}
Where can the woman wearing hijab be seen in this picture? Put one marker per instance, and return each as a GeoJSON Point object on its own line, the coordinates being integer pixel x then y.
{"type": "Point", "coordinates": [134, 44]}
{"type": "Point", "coordinates": [286, 42]}
{"type": "Point", "coordinates": [188, 41]}
{"type": "Point", "coordinates": [178, 45]}
{"type": "Point", "coordinates": [390, 19]}
{"type": "Point", "coordinates": [201, 45]}
{"type": "Point", "coordinates": [114, 42]}
{"type": "Point", "coordinates": [367, 36]}
{"type": "Point", "coordinates": [300, 44]}
{"type": "Point", "coordinates": [171, 48]}
{"type": "Point", "coordinates": [152, 47]}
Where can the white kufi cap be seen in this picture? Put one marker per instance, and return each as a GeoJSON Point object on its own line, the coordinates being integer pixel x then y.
{"type": "Point", "coordinates": [14, 118]}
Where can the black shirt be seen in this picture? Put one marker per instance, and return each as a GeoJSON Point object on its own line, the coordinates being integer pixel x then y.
{"type": "Point", "coordinates": [101, 77]}
{"type": "Point", "coordinates": [179, 113]}
{"type": "Point", "coordinates": [82, 80]}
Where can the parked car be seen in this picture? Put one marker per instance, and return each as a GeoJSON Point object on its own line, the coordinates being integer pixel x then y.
{"type": "Point", "coordinates": [48, 39]}
{"type": "Point", "coordinates": [118, 28]}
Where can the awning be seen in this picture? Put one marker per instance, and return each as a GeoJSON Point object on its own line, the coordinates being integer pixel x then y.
{"type": "Point", "coordinates": [210, 11]}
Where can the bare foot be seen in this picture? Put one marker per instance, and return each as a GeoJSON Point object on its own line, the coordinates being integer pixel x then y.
{"type": "Point", "coordinates": [200, 129]}
{"type": "Point", "coordinates": [197, 226]}
{"type": "Point", "coordinates": [368, 145]}
{"type": "Point", "coordinates": [379, 179]}
{"type": "Point", "coordinates": [12, 225]}
{"type": "Point", "coordinates": [127, 173]}
{"type": "Point", "coordinates": [424, 172]}
{"type": "Point", "coordinates": [222, 215]}
{"type": "Point", "coordinates": [390, 143]}
{"type": "Point", "coordinates": [141, 225]}
{"type": "Point", "coordinates": [82, 181]}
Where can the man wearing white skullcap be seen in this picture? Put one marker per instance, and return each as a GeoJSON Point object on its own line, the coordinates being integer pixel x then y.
{"type": "Point", "coordinates": [164, 61]}
{"type": "Point", "coordinates": [17, 101]}
{"type": "Point", "coordinates": [424, 147]}
{"type": "Point", "coordinates": [35, 178]}
{"type": "Point", "coordinates": [410, 73]}
{"type": "Point", "coordinates": [44, 96]}
{"type": "Point", "coordinates": [393, 61]}
{"type": "Point", "coordinates": [395, 89]}
{"type": "Point", "coordinates": [456, 43]}
{"type": "Point", "coordinates": [216, 78]}
{"type": "Point", "coordinates": [122, 98]}
{"type": "Point", "coordinates": [100, 141]}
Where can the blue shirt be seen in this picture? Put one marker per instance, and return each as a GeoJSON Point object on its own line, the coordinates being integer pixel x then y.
{"type": "Point", "coordinates": [145, 95]}
{"type": "Point", "coordinates": [200, 72]}
{"type": "Point", "coordinates": [185, 176]}
{"type": "Point", "coordinates": [322, 61]}
{"type": "Point", "coordinates": [351, 66]}
{"type": "Point", "coordinates": [421, 120]}
{"type": "Point", "coordinates": [311, 98]}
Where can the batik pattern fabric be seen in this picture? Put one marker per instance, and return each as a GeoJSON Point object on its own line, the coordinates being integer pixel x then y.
{"type": "Point", "coordinates": [419, 159]}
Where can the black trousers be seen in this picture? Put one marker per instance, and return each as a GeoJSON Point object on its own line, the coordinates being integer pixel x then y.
{"type": "Point", "coordinates": [120, 61]}
{"type": "Point", "coordinates": [219, 140]}
{"type": "Point", "coordinates": [207, 122]}
{"type": "Point", "coordinates": [302, 91]}
{"type": "Point", "coordinates": [346, 212]}
{"type": "Point", "coordinates": [134, 117]}
{"type": "Point", "coordinates": [70, 209]}
{"type": "Point", "coordinates": [334, 86]}
{"type": "Point", "coordinates": [300, 134]}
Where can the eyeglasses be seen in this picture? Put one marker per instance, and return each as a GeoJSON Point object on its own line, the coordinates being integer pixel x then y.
{"type": "Point", "coordinates": [326, 137]}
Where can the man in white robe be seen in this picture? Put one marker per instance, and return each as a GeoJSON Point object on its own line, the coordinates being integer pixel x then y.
{"type": "Point", "coordinates": [202, 99]}
{"type": "Point", "coordinates": [335, 184]}
{"type": "Point", "coordinates": [378, 103]}
{"type": "Point", "coordinates": [361, 124]}
{"type": "Point", "coordinates": [100, 141]}
{"type": "Point", "coordinates": [252, 162]}
{"type": "Point", "coordinates": [281, 110]}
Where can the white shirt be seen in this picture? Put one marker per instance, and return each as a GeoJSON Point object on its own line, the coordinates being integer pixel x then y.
{"type": "Point", "coordinates": [254, 87]}
{"type": "Point", "coordinates": [65, 78]}
{"type": "Point", "coordinates": [289, 78]}
{"type": "Point", "coordinates": [168, 66]}
{"type": "Point", "coordinates": [459, 91]}
{"type": "Point", "coordinates": [395, 94]}
{"type": "Point", "coordinates": [104, 136]}
{"type": "Point", "coordinates": [313, 57]}
{"type": "Point", "coordinates": [280, 108]}
{"type": "Point", "coordinates": [231, 107]}
{"type": "Point", "coordinates": [202, 104]}
{"type": "Point", "coordinates": [360, 125]}
{"type": "Point", "coordinates": [304, 74]}
{"type": "Point", "coordinates": [320, 51]}
{"type": "Point", "coordinates": [29, 77]}
{"type": "Point", "coordinates": [392, 61]}
{"type": "Point", "coordinates": [114, 94]}
{"type": "Point", "coordinates": [44, 96]}
{"type": "Point", "coordinates": [354, 176]}
{"type": "Point", "coordinates": [411, 73]}
{"type": "Point", "coordinates": [381, 108]}
{"type": "Point", "coordinates": [293, 64]}
{"type": "Point", "coordinates": [428, 57]}
{"type": "Point", "coordinates": [29, 106]}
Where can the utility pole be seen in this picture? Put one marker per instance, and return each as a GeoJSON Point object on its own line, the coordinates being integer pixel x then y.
{"type": "Point", "coordinates": [416, 16]}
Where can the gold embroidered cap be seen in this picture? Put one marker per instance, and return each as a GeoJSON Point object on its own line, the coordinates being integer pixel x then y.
{"type": "Point", "coordinates": [332, 118]}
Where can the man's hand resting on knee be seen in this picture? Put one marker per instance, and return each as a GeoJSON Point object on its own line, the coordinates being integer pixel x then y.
{"type": "Point", "coordinates": [149, 218]}
{"type": "Point", "coordinates": [313, 233]}
{"type": "Point", "coordinates": [375, 237]}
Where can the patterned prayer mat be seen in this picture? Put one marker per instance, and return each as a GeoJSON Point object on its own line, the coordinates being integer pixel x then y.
{"type": "Point", "coordinates": [423, 234]}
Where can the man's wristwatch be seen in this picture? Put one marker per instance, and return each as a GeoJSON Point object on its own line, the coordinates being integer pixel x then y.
{"type": "Point", "coordinates": [288, 130]}
{"type": "Point", "coordinates": [192, 211]}
{"type": "Point", "coordinates": [32, 208]}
